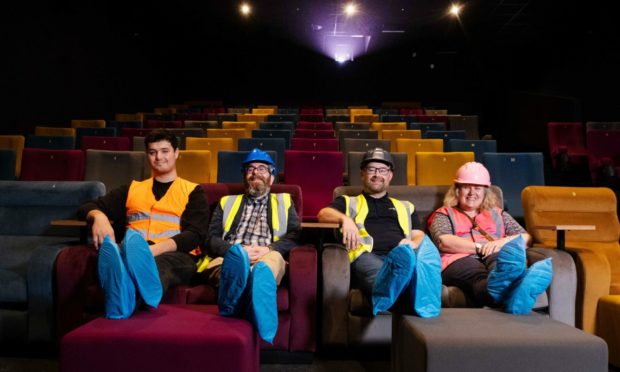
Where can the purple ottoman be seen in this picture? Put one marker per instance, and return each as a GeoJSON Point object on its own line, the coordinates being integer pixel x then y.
{"type": "Point", "coordinates": [172, 338]}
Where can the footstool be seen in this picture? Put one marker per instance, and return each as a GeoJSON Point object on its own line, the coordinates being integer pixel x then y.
{"type": "Point", "coordinates": [171, 338]}
{"type": "Point", "coordinates": [488, 340]}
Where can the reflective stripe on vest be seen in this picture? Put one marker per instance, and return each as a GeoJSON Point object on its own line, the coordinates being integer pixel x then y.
{"type": "Point", "coordinates": [489, 220]}
{"type": "Point", "coordinates": [358, 207]}
{"type": "Point", "coordinates": [279, 205]}
{"type": "Point", "coordinates": [157, 220]}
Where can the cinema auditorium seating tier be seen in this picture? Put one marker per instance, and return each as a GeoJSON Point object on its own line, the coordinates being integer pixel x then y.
{"type": "Point", "coordinates": [80, 297]}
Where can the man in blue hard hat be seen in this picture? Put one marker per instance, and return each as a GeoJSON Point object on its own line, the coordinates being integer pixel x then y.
{"type": "Point", "coordinates": [249, 238]}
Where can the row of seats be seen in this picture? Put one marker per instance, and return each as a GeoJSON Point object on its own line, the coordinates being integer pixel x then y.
{"type": "Point", "coordinates": [317, 172]}
{"type": "Point", "coordinates": [596, 147]}
{"type": "Point", "coordinates": [66, 275]}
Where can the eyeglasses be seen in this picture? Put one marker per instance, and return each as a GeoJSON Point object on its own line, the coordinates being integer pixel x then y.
{"type": "Point", "coordinates": [373, 170]}
{"type": "Point", "coordinates": [261, 169]}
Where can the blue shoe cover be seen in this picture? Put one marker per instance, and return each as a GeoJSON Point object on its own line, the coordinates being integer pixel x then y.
{"type": "Point", "coordinates": [510, 266]}
{"type": "Point", "coordinates": [426, 282]}
{"type": "Point", "coordinates": [535, 281]}
{"type": "Point", "coordinates": [119, 291]}
{"type": "Point", "coordinates": [394, 275]}
{"type": "Point", "coordinates": [263, 301]}
{"type": "Point", "coordinates": [141, 267]}
{"type": "Point", "coordinates": [233, 280]}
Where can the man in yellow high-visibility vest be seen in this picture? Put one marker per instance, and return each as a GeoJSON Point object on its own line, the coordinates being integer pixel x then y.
{"type": "Point", "coordinates": [163, 219]}
{"type": "Point", "coordinates": [390, 254]}
{"type": "Point", "coordinates": [250, 236]}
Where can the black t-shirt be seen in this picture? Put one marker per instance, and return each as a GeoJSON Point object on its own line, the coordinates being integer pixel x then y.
{"type": "Point", "coordinates": [381, 222]}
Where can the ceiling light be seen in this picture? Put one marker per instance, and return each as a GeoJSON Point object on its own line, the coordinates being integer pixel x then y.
{"type": "Point", "coordinates": [245, 9]}
{"type": "Point", "coordinates": [455, 9]}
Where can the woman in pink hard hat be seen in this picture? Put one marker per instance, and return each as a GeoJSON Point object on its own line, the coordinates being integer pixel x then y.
{"type": "Point", "coordinates": [483, 248]}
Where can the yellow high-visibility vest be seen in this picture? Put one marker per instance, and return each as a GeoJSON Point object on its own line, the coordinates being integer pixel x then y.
{"type": "Point", "coordinates": [357, 208]}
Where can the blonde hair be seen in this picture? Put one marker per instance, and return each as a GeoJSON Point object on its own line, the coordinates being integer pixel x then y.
{"type": "Point", "coordinates": [452, 200]}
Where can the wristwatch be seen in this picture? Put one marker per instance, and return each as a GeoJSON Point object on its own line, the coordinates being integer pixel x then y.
{"type": "Point", "coordinates": [478, 248]}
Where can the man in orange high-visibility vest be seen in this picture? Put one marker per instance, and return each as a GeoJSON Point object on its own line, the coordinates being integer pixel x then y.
{"type": "Point", "coordinates": [165, 218]}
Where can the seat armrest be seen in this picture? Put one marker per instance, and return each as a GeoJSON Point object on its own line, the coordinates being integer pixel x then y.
{"type": "Point", "coordinates": [303, 299]}
{"type": "Point", "coordinates": [594, 272]}
{"type": "Point", "coordinates": [41, 312]}
{"type": "Point", "coordinates": [76, 275]}
{"type": "Point", "coordinates": [336, 285]}
{"type": "Point", "coordinates": [562, 291]}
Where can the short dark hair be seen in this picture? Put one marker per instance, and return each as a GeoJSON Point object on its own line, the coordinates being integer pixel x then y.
{"type": "Point", "coordinates": [161, 135]}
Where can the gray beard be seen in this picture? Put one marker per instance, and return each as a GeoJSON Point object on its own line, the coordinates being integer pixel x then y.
{"type": "Point", "coordinates": [256, 191]}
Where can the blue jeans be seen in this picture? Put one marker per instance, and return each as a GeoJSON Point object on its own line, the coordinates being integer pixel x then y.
{"type": "Point", "coordinates": [364, 271]}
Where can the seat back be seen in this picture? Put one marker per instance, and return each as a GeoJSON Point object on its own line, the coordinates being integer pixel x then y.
{"type": "Point", "coordinates": [314, 144]}
{"type": "Point", "coordinates": [229, 165]}
{"type": "Point", "coordinates": [603, 151]}
{"type": "Point", "coordinates": [467, 123]}
{"type": "Point", "coordinates": [340, 125]}
{"type": "Point", "coordinates": [52, 165]}
{"type": "Point", "coordinates": [446, 135]}
{"type": "Point", "coordinates": [106, 143]}
{"type": "Point", "coordinates": [233, 133]}
{"type": "Point", "coordinates": [380, 127]}
{"type": "Point", "coordinates": [81, 132]}
{"type": "Point", "coordinates": [400, 168]}
{"type": "Point", "coordinates": [214, 145]}
{"type": "Point", "coordinates": [602, 125]}
{"type": "Point", "coordinates": [439, 168]}
{"type": "Point", "coordinates": [7, 164]}
{"type": "Point", "coordinates": [54, 131]}
{"type": "Point", "coordinates": [26, 208]}
{"type": "Point", "coordinates": [16, 143]}
{"type": "Point", "coordinates": [565, 136]}
{"type": "Point", "coordinates": [202, 124]}
{"type": "Point", "coordinates": [362, 145]}
{"type": "Point", "coordinates": [115, 168]}
{"type": "Point", "coordinates": [158, 124]}
{"type": "Point", "coordinates": [318, 125]}
{"type": "Point", "coordinates": [81, 123]}
{"type": "Point", "coordinates": [194, 165]}
{"type": "Point", "coordinates": [317, 173]}
{"type": "Point", "coordinates": [283, 117]}
{"type": "Point", "coordinates": [512, 172]}
{"type": "Point", "coordinates": [365, 118]}
{"type": "Point", "coordinates": [356, 134]}
{"type": "Point", "coordinates": [424, 127]}
{"type": "Point", "coordinates": [120, 124]}
{"type": "Point", "coordinates": [50, 142]}
{"type": "Point", "coordinates": [314, 133]}
{"type": "Point", "coordinates": [411, 147]}
{"type": "Point", "coordinates": [279, 125]}
{"type": "Point", "coordinates": [248, 126]}
{"type": "Point", "coordinates": [478, 147]}
{"type": "Point", "coordinates": [273, 133]}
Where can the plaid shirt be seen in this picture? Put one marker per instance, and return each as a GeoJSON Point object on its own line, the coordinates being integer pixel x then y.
{"type": "Point", "coordinates": [253, 227]}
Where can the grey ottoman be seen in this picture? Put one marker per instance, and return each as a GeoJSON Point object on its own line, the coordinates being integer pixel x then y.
{"type": "Point", "coordinates": [488, 340]}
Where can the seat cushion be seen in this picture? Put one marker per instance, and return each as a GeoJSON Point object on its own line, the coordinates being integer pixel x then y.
{"type": "Point", "coordinates": [179, 338]}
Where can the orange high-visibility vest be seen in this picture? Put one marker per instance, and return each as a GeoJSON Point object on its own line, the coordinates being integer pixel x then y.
{"type": "Point", "coordinates": [157, 220]}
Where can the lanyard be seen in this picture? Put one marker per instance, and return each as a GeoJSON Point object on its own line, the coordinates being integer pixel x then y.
{"type": "Point", "coordinates": [475, 226]}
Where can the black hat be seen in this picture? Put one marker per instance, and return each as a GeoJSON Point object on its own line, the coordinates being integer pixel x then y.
{"type": "Point", "coordinates": [379, 155]}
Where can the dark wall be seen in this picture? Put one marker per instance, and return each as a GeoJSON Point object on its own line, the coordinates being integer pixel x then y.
{"type": "Point", "coordinates": [74, 60]}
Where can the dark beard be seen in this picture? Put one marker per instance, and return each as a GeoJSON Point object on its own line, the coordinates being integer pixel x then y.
{"type": "Point", "coordinates": [261, 190]}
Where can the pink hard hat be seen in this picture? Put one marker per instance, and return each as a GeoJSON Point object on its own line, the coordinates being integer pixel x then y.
{"type": "Point", "coordinates": [473, 173]}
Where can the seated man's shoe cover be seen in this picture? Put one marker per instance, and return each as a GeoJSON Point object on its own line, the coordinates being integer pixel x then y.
{"type": "Point", "coordinates": [526, 289]}
{"type": "Point", "coordinates": [141, 266]}
{"type": "Point", "coordinates": [119, 291]}
{"type": "Point", "coordinates": [426, 282]}
{"type": "Point", "coordinates": [263, 309]}
{"type": "Point", "coordinates": [510, 267]}
{"type": "Point", "coordinates": [233, 280]}
{"type": "Point", "coordinates": [393, 277]}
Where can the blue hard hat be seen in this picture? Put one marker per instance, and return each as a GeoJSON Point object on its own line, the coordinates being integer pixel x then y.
{"type": "Point", "coordinates": [258, 155]}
